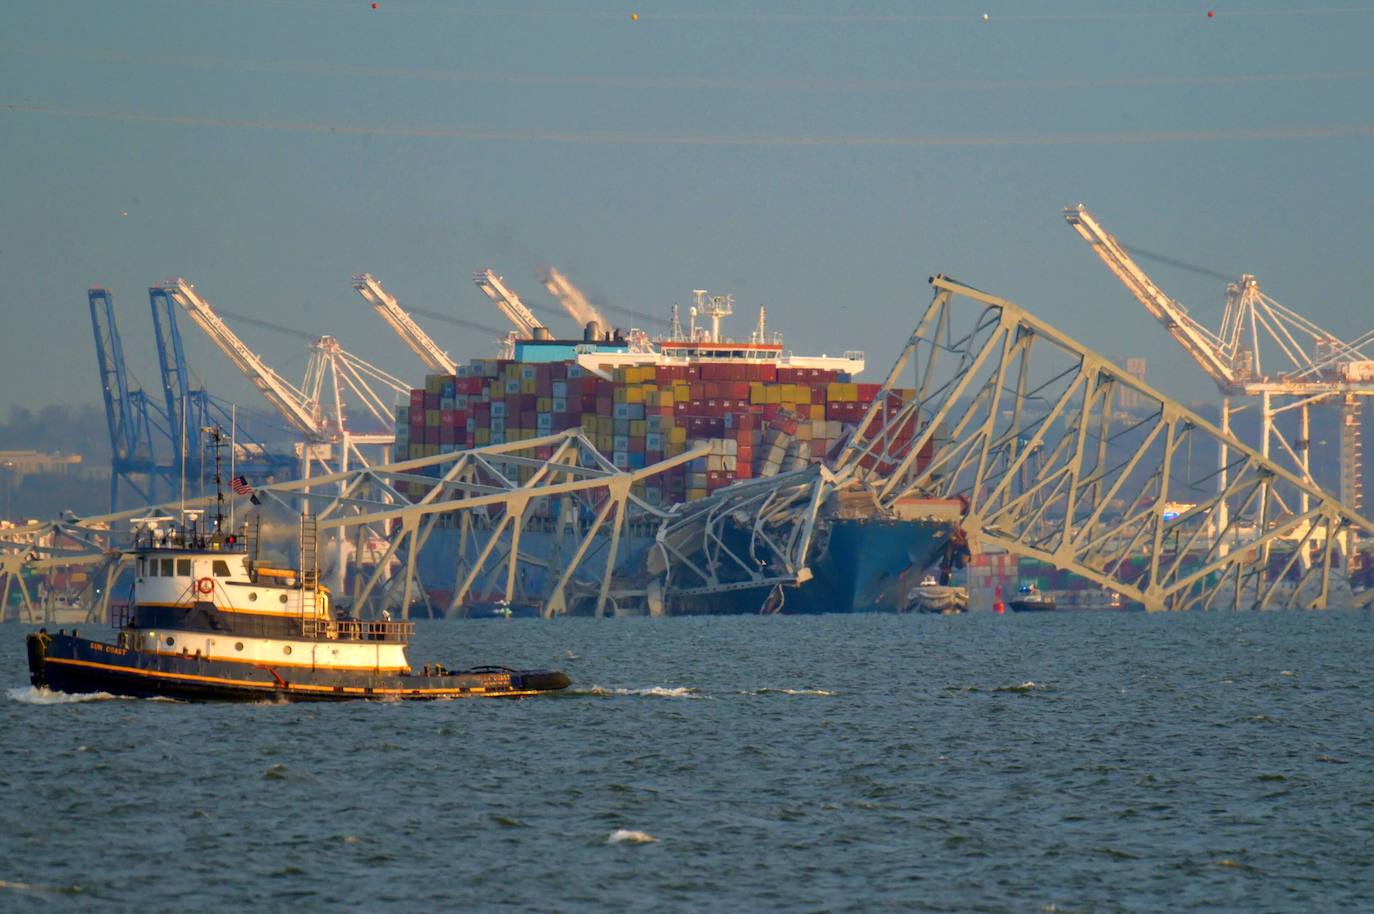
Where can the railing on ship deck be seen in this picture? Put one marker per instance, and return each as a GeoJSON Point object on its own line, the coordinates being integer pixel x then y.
{"type": "Point", "coordinates": [357, 629]}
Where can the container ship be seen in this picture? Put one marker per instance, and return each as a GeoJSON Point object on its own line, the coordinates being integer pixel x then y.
{"type": "Point", "coordinates": [756, 409]}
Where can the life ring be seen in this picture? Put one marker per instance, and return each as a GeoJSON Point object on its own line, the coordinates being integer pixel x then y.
{"type": "Point", "coordinates": [205, 586]}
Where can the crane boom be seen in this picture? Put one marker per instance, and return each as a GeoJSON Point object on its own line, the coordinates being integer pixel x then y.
{"type": "Point", "coordinates": [290, 402]}
{"type": "Point", "coordinates": [435, 359]}
{"type": "Point", "coordinates": [1202, 344]}
{"type": "Point", "coordinates": [510, 304]}
{"type": "Point", "coordinates": [571, 298]}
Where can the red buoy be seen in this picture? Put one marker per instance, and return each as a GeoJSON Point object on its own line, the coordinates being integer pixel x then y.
{"type": "Point", "coordinates": [997, 605]}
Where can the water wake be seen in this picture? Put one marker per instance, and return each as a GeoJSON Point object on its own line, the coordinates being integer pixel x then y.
{"type": "Point", "coordinates": [652, 691]}
{"type": "Point", "coordinates": [34, 695]}
{"type": "Point", "coordinates": [820, 693]}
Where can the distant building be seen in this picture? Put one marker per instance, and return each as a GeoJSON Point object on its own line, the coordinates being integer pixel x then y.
{"type": "Point", "coordinates": [26, 463]}
{"type": "Point", "coordinates": [1129, 400]}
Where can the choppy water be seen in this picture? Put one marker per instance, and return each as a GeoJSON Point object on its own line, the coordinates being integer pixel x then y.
{"type": "Point", "coordinates": [1204, 762]}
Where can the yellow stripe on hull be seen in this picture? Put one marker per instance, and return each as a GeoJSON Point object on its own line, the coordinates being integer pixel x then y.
{"type": "Point", "coordinates": [470, 692]}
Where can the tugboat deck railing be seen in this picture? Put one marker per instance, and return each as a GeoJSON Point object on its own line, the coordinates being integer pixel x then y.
{"type": "Point", "coordinates": [357, 629]}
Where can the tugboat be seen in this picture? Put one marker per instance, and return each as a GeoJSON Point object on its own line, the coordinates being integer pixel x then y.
{"type": "Point", "coordinates": [210, 622]}
{"type": "Point", "coordinates": [1030, 599]}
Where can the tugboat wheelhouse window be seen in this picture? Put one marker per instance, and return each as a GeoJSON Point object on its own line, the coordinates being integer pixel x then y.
{"type": "Point", "coordinates": [183, 568]}
{"type": "Point", "coordinates": [168, 568]}
{"type": "Point", "coordinates": [221, 568]}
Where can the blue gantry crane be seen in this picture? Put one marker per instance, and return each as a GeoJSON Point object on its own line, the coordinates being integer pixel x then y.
{"type": "Point", "coordinates": [128, 413]}
{"type": "Point", "coordinates": [155, 450]}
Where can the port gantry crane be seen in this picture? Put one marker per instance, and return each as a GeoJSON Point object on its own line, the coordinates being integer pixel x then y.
{"type": "Point", "coordinates": [527, 326]}
{"type": "Point", "coordinates": [132, 457]}
{"type": "Point", "coordinates": [315, 410]}
{"type": "Point", "coordinates": [571, 298]}
{"type": "Point", "coordinates": [435, 359]}
{"type": "Point", "coordinates": [1319, 368]}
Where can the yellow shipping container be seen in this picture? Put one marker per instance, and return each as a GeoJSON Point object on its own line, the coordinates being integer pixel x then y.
{"type": "Point", "coordinates": [673, 448]}
{"type": "Point", "coordinates": [639, 428]}
{"type": "Point", "coordinates": [432, 417]}
{"type": "Point", "coordinates": [619, 375]}
{"type": "Point", "coordinates": [544, 404]}
{"type": "Point", "coordinates": [605, 442]}
{"type": "Point", "coordinates": [774, 394]}
{"type": "Point", "coordinates": [619, 394]}
{"type": "Point", "coordinates": [695, 494]}
{"type": "Point", "coordinates": [682, 393]}
{"type": "Point", "coordinates": [634, 395]}
{"type": "Point", "coordinates": [528, 387]}
{"type": "Point", "coordinates": [677, 435]}
{"type": "Point", "coordinates": [803, 395]}
{"type": "Point", "coordinates": [589, 423]}
{"type": "Point", "coordinates": [817, 411]}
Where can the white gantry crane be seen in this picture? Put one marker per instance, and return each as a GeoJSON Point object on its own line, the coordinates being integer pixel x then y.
{"type": "Point", "coordinates": [571, 298]}
{"type": "Point", "coordinates": [527, 326]}
{"type": "Point", "coordinates": [1314, 365]}
{"type": "Point", "coordinates": [316, 409]}
{"type": "Point", "coordinates": [435, 359]}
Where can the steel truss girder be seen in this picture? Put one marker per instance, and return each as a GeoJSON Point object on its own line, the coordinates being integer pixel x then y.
{"type": "Point", "coordinates": [1019, 420]}
{"type": "Point", "coordinates": [751, 534]}
{"type": "Point", "coordinates": [479, 489]}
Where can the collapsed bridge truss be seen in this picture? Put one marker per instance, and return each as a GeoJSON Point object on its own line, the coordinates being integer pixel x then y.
{"type": "Point", "coordinates": [1022, 422]}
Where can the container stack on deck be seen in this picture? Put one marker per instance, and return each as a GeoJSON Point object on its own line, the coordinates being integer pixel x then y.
{"type": "Point", "coordinates": [757, 420]}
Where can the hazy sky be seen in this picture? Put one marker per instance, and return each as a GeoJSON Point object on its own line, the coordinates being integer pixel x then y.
{"type": "Point", "coordinates": [819, 158]}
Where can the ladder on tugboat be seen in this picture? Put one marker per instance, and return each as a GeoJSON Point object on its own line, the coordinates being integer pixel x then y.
{"type": "Point", "coordinates": [310, 568]}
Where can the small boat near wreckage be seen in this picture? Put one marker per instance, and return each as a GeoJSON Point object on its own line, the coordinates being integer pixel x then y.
{"type": "Point", "coordinates": [208, 621]}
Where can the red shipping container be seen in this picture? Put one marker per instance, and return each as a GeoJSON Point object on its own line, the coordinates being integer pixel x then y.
{"type": "Point", "coordinates": [446, 434]}
{"type": "Point", "coordinates": [744, 470]}
{"type": "Point", "coordinates": [417, 399]}
{"type": "Point", "coordinates": [604, 406]}
{"type": "Point", "coordinates": [431, 400]}
{"type": "Point", "coordinates": [558, 370]}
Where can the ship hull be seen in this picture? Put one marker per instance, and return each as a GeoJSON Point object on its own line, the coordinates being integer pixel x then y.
{"type": "Point", "coordinates": [867, 565]}
{"type": "Point", "coordinates": [66, 663]}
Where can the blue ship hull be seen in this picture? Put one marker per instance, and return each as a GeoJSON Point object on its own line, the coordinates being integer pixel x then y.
{"type": "Point", "coordinates": [866, 566]}
{"type": "Point", "coordinates": [863, 565]}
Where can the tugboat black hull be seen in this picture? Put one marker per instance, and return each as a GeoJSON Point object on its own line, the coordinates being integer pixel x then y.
{"type": "Point", "coordinates": [66, 663]}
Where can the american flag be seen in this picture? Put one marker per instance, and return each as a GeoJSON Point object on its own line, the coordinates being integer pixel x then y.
{"type": "Point", "coordinates": [240, 486]}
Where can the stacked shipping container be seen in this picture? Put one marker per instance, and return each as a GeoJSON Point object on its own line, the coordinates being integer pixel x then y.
{"type": "Point", "coordinates": [756, 419]}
